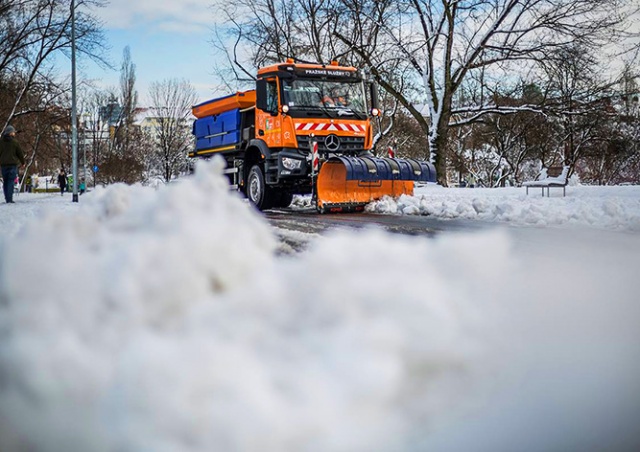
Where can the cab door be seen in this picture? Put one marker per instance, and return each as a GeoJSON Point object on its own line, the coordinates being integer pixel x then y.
{"type": "Point", "coordinates": [268, 118]}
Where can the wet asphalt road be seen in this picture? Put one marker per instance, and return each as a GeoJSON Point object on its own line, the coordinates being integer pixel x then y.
{"type": "Point", "coordinates": [309, 221]}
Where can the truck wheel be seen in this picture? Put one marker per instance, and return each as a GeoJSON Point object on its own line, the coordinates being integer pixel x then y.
{"type": "Point", "coordinates": [257, 191]}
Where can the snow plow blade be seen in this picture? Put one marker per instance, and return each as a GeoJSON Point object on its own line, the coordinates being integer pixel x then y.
{"type": "Point", "coordinates": [347, 184]}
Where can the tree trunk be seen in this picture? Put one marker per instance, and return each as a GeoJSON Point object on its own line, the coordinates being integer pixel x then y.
{"type": "Point", "coordinates": [438, 143]}
{"type": "Point", "coordinates": [437, 147]}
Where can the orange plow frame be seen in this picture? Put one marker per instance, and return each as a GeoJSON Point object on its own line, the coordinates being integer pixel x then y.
{"type": "Point", "coordinates": [334, 193]}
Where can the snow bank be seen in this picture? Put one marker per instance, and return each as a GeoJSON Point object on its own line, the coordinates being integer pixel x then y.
{"type": "Point", "coordinates": [598, 207]}
{"type": "Point", "coordinates": [163, 321]}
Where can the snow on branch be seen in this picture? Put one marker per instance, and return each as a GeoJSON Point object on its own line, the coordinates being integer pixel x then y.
{"type": "Point", "coordinates": [478, 112]}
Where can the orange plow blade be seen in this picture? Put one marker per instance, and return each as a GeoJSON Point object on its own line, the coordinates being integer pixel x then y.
{"type": "Point", "coordinates": [349, 183]}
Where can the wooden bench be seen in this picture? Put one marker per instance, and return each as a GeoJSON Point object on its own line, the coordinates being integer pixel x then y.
{"type": "Point", "coordinates": [554, 176]}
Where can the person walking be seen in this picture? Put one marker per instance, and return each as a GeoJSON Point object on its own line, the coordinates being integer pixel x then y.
{"type": "Point", "coordinates": [11, 156]}
{"type": "Point", "coordinates": [62, 182]}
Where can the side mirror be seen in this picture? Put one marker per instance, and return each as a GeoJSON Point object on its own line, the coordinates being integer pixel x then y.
{"type": "Point", "coordinates": [261, 95]}
{"type": "Point", "coordinates": [373, 90]}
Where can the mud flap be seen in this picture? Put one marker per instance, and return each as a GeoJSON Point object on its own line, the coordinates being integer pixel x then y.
{"type": "Point", "coordinates": [349, 183]}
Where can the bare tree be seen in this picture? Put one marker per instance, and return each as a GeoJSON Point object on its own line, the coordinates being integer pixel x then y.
{"type": "Point", "coordinates": [31, 32]}
{"type": "Point", "coordinates": [436, 46]}
{"type": "Point", "coordinates": [171, 102]}
{"type": "Point", "coordinates": [273, 30]}
{"type": "Point", "coordinates": [128, 103]}
{"type": "Point", "coordinates": [447, 42]}
{"type": "Point", "coordinates": [96, 111]}
{"type": "Point", "coordinates": [613, 153]}
{"type": "Point", "coordinates": [49, 119]}
{"type": "Point", "coordinates": [122, 160]}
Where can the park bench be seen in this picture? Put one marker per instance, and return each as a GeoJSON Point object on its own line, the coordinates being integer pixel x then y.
{"type": "Point", "coordinates": [554, 176]}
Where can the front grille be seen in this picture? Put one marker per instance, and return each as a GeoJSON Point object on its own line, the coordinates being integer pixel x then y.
{"type": "Point", "coordinates": [348, 145]}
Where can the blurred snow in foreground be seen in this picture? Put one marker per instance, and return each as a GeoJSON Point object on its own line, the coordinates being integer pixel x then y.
{"type": "Point", "coordinates": [162, 320]}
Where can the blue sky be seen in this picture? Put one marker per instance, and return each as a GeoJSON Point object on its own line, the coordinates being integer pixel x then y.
{"type": "Point", "coordinates": [168, 39]}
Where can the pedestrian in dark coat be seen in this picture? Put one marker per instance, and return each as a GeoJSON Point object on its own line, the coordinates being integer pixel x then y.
{"type": "Point", "coordinates": [11, 156]}
{"type": "Point", "coordinates": [62, 181]}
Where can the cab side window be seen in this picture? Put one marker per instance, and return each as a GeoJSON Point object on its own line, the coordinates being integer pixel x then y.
{"type": "Point", "coordinates": [272, 96]}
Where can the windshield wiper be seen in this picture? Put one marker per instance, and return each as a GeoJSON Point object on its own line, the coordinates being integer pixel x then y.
{"type": "Point", "coordinates": [351, 112]}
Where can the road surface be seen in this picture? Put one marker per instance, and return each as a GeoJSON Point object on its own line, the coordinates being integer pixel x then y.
{"type": "Point", "coordinates": [296, 227]}
{"type": "Point", "coordinates": [309, 221]}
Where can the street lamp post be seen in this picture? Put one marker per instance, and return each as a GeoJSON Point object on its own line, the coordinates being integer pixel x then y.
{"type": "Point", "coordinates": [74, 116]}
{"type": "Point", "coordinates": [84, 160]}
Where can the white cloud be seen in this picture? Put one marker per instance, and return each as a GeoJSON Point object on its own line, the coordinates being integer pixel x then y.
{"type": "Point", "coordinates": [183, 14]}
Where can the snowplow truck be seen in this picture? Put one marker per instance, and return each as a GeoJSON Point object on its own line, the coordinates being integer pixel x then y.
{"type": "Point", "coordinates": [304, 129]}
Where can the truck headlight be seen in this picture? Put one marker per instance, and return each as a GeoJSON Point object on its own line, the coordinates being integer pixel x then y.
{"type": "Point", "coordinates": [291, 164]}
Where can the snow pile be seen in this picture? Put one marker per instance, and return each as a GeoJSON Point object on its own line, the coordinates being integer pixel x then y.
{"type": "Point", "coordinates": [598, 207]}
{"type": "Point", "coordinates": [163, 321]}
{"type": "Point", "coordinates": [134, 260]}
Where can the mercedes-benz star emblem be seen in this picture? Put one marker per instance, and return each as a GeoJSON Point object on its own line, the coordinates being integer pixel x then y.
{"type": "Point", "coordinates": [332, 142]}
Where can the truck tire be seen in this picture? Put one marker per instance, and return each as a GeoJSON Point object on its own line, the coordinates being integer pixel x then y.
{"type": "Point", "coordinates": [258, 192]}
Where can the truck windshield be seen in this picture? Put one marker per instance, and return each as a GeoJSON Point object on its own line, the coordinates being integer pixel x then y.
{"type": "Point", "coordinates": [331, 96]}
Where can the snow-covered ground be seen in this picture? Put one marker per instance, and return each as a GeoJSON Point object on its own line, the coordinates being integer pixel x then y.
{"type": "Point", "coordinates": [165, 320]}
{"type": "Point", "coordinates": [584, 206]}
